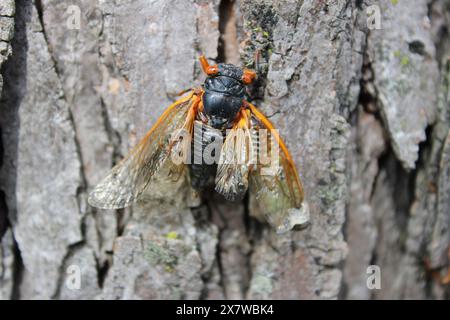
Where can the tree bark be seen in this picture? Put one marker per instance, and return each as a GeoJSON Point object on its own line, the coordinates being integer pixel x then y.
{"type": "Point", "coordinates": [365, 113]}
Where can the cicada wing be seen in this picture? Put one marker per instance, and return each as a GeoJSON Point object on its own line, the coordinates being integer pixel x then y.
{"type": "Point", "coordinates": [232, 171]}
{"type": "Point", "coordinates": [275, 187]}
{"type": "Point", "coordinates": [236, 158]}
{"type": "Point", "coordinates": [128, 179]}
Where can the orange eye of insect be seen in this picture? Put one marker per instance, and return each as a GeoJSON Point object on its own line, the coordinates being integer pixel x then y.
{"type": "Point", "coordinates": [212, 70]}
{"type": "Point", "coordinates": [248, 76]}
{"type": "Point", "coordinates": [209, 70]}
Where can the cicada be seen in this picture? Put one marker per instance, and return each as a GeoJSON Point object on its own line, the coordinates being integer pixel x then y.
{"type": "Point", "coordinates": [213, 135]}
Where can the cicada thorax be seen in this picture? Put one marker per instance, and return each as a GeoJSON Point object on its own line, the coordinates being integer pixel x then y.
{"type": "Point", "coordinates": [221, 108]}
{"type": "Point", "coordinates": [223, 96]}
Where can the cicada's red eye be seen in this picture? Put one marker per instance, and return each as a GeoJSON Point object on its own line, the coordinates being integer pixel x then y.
{"type": "Point", "coordinates": [249, 76]}
{"type": "Point", "coordinates": [212, 70]}
{"type": "Point", "coordinates": [209, 70]}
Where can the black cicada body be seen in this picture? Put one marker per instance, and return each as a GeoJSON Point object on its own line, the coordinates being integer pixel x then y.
{"type": "Point", "coordinates": [224, 96]}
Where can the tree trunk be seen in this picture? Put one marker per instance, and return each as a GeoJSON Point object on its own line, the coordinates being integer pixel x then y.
{"type": "Point", "coordinates": [363, 108]}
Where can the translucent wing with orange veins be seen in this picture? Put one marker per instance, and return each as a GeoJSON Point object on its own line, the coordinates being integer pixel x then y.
{"type": "Point", "coordinates": [236, 157]}
{"type": "Point", "coordinates": [259, 160]}
{"type": "Point", "coordinates": [129, 178]}
{"type": "Point", "coordinates": [277, 189]}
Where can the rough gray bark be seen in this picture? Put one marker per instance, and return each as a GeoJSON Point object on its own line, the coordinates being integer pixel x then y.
{"type": "Point", "coordinates": [364, 112]}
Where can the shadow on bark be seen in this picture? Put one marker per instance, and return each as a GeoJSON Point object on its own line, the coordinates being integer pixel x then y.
{"type": "Point", "coordinates": [14, 72]}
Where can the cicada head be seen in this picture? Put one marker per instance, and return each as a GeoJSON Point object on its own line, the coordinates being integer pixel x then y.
{"type": "Point", "coordinates": [245, 76]}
